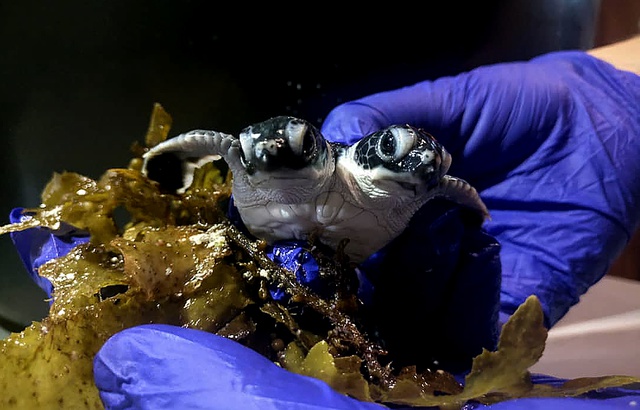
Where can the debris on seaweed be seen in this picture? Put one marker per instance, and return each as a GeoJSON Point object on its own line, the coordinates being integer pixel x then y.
{"type": "Point", "coordinates": [178, 260]}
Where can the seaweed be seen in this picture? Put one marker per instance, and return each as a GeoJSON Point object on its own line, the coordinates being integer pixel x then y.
{"type": "Point", "coordinates": [178, 260]}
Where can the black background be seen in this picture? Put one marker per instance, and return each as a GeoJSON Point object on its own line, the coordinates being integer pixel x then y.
{"type": "Point", "coordinates": [78, 78]}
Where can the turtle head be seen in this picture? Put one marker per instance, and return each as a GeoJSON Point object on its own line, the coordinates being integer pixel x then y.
{"type": "Point", "coordinates": [284, 150]}
{"type": "Point", "coordinates": [402, 156]}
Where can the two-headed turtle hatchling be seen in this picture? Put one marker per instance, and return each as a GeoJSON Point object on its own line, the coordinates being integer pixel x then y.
{"type": "Point", "coordinates": [289, 182]}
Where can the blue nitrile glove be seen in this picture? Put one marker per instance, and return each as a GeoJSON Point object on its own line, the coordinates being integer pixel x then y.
{"type": "Point", "coordinates": [446, 279]}
{"type": "Point", "coordinates": [37, 246]}
{"type": "Point", "coordinates": [552, 145]}
{"type": "Point", "coordinates": [168, 367]}
{"type": "Point", "coordinates": [462, 253]}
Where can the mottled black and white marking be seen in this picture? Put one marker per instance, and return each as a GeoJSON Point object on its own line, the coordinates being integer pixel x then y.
{"type": "Point", "coordinates": [289, 182]}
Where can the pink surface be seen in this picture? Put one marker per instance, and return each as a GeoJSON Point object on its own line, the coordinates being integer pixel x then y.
{"type": "Point", "coordinates": [599, 336]}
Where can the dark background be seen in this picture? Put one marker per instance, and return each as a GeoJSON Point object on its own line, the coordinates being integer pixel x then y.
{"type": "Point", "coordinates": [78, 78]}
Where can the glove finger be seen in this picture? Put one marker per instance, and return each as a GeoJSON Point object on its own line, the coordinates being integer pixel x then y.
{"type": "Point", "coordinates": [37, 246]}
{"type": "Point", "coordinates": [566, 212]}
{"type": "Point", "coordinates": [559, 185]}
{"type": "Point", "coordinates": [505, 108]}
{"type": "Point", "coordinates": [166, 367]}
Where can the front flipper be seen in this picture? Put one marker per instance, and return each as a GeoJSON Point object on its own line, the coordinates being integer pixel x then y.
{"type": "Point", "coordinates": [173, 162]}
{"type": "Point", "coordinates": [460, 191]}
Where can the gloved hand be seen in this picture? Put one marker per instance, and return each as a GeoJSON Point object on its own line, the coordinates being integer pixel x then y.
{"type": "Point", "coordinates": [457, 259]}
{"type": "Point", "coordinates": [537, 124]}
{"type": "Point", "coordinates": [551, 145]}
{"type": "Point", "coordinates": [166, 367]}
{"type": "Point", "coordinates": [37, 246]}
{"type": "Point", "coordinates": [446, 278]}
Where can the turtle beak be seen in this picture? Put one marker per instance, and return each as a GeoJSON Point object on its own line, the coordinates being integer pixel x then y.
{"type": "Point", "coordinates": [445, 163]}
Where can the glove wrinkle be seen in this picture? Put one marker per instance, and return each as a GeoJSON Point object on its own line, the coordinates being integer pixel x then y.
{"type": "Point", "coordinates": [550, 144]}
{"type": "Point", "coordinates": [165, 367]}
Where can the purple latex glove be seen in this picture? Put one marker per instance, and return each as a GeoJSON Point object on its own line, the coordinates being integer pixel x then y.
{"type": "Point", "coordinates": [37, 246]}
{"type": "Point", "coordinates": [552, 146]}
{"type": "Point", "coordinates": [168, 367]}
{"type": "Point", "coordinates": [446, 279]}
{"type": "Point", "coordinates": [458, 271]}
{"type": "Point", "coordinates": [165, 367]}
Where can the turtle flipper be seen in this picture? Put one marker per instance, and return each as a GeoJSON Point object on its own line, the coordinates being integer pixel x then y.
{"type": "Point", "coordinates": [460, 191]}
{"type": "Point", "coordinates": [173, 162]}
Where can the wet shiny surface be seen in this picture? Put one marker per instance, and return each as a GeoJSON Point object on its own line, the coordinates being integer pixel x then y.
{"type": "Point", "coordinates": [78, 80]}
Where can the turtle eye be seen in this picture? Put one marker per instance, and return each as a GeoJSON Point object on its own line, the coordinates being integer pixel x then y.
{"type": "Point", "coordinates": [395, 143]}
{"type": "Point", "coordinates": [301, 138]}
{"type": "Point", "coordinates": [309, 144]}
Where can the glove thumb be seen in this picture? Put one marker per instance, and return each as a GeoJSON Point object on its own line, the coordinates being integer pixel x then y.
{"type": "Point", "coordinates": [167, 367]}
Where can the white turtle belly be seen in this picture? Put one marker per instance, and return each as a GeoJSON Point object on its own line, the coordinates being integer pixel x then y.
{"type": "Point", "coordinates": [330, 217]}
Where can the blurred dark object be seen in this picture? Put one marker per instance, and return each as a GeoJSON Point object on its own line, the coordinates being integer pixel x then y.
{"type": "Point", "coordinates": [79, 79]}
{"type": "Point", "coordinates": [628, 264]}
{"type": "Point", "coordinates": [619, 20]}
{"type": "Point", "coordinates": [523, 29]}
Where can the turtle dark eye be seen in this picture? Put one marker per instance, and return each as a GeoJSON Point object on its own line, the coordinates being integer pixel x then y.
{"type": "Point", "coordinates": [387, 146]}
{"type": "Point", "coordinates": [309, 143]}
{"type": "Point", "coordinates": [395, 144]}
